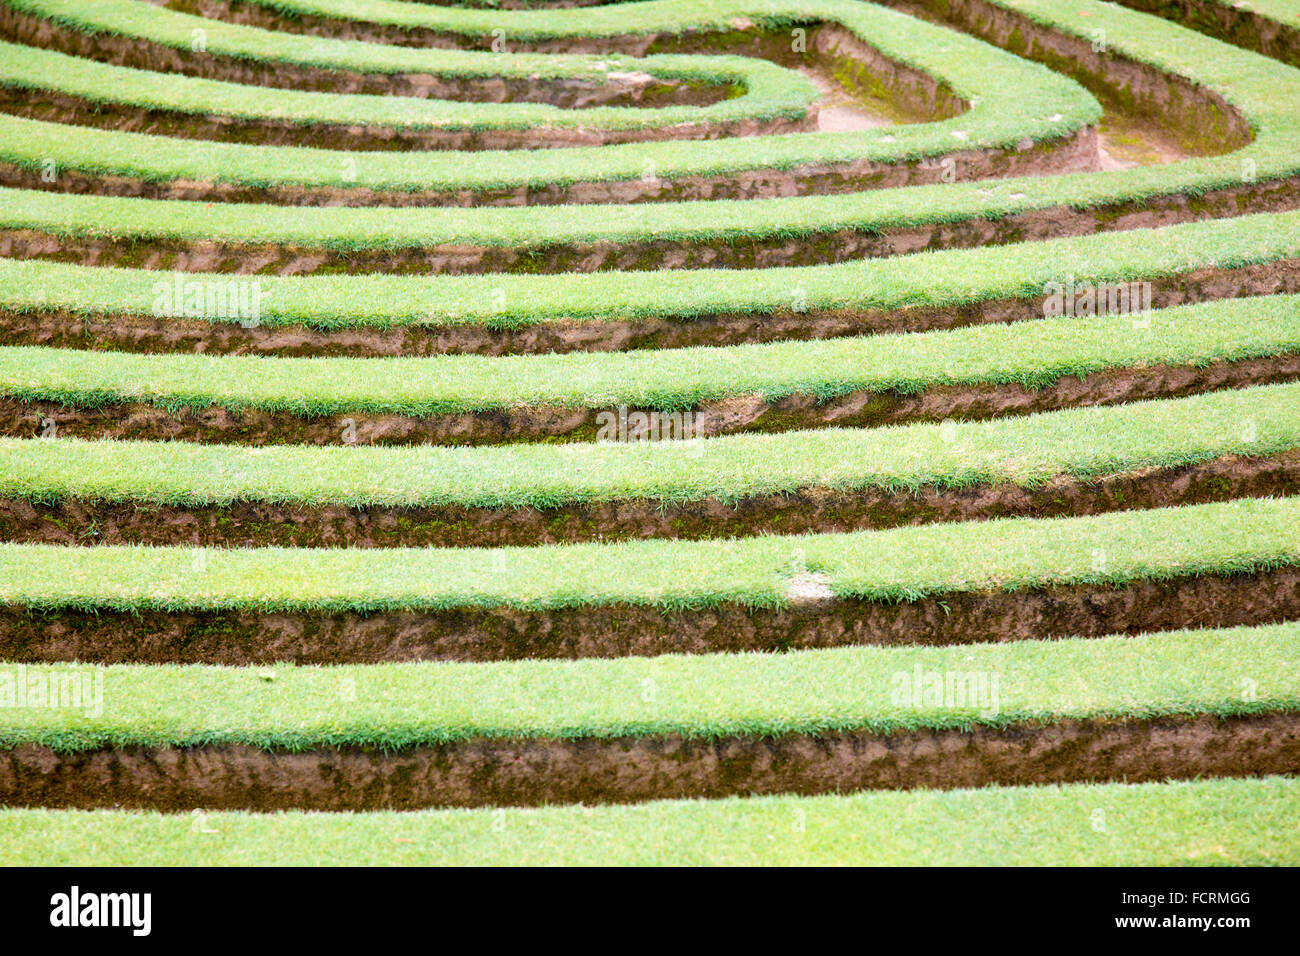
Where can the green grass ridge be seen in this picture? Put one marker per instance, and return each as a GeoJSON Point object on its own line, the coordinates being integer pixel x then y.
{"type": "Point", "coordinates": [1261, 88]}
{"type": "Point", "coordinates": [938, 278]}
{"type": "Point", "coordinates": [1035, 354]}
{"type": "Point", "coordinates": [900, 564]}
{"type": "Point", "coordinates": [392, 706]}
{"type": "Point", "coordinates": [1026, 452]}
{"type": "Point", "coordinates": [1178, 823]}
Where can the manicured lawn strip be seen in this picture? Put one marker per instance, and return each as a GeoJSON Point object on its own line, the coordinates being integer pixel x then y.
{"type": "Point", "coordinates": [132, 19]}
{"type": "Point", "coordinates": [1080, 443]}
{"type": "Point", "coordinates": [1262, 88]}
{"type": "Point", "coordinates": [915, 43]}
{"type": "Point", "coordinates": [1017, 100]}
{"type": "Point", "coordinates": [402, 705]}
{"type": "Point", "coordinates": [900, 564]}
{"type": "Point", "coordinates": [1035, 354]}
{"type": "Point", "coordinates": [355, 228]}
{"type": "Point", "coordinates": [604, 20]}
{"type": "Point", "coordinates": [768, 91]}
{"type": "Point", "coordinates": [506, 301]}
{"type": "Point", "coordinates": [157, 158]}
{"type": "Point", "coordinates": [1195, 823]}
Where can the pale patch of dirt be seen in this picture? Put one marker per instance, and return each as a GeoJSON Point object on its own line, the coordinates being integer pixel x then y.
{"type": "Point", "coordinates": [807, 586]}
{"type": "Point", "coordinates": [1124, 142]}
{"type": "Point", "coordinates": [841, 113]}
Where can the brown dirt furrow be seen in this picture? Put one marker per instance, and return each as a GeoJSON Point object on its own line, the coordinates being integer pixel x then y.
{"type": "Point", "coordinates": [250, 636]}
{"type": "Point", "coordinates": [50, 106]}
{"type": "Point", "coordinates": [1237, 24]}
{"type": "Point", "coordinates": [136, 332]}
{"type": "Point", "coordinates": [910, 94]}
{"type": "Point", "coordinates": [765, 252]}
{"type": "Point", "coordinates": [140, 421]}
{"type": "Point", "coordinates": [91, 522]}
{"type": "Point", "coordinates": [530, 772]}
{"type": "Point", "coordinates": [630, 89]}
{"type": "Point", "coordinates": [1070, 154]}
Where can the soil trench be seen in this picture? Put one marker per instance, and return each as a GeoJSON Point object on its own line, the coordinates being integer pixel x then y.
{"type": "Point", "coordinates": [1074, 153]}
{"type": "Point", "coordinates": [1236, 24]}
{"type": "Point", "coordinates": [634, 88]}
{"type": "Point", "coordinates": [159, 334]}
{"type": "Point", "coordinates": [533, 772]}
{"type": "Point", "coordinates": [139, 421]}
{"type": "Point", "coordinates": [55, 107]}
{"type": "Point", "coordinates": [636, 255]}
{"type": "Point", "coordinates": [91, 522]}
{"type": "Point", "coordinates": [251, 636]}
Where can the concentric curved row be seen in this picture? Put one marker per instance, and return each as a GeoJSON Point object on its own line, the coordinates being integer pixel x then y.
{"type": "Point", "coordinates": [983, 371]}
{"type": "Point", "coordinates": [148, 311]}
{"type": "Point", "coordinates": [994, 136]}
{"type": "Point", "coordinates": [1068, 462]}
{"type": "Point", "coordinates": [761, 232]}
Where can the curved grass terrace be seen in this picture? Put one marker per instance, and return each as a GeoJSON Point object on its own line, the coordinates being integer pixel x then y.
{"type": "Point", "coordinates": [406, 705]}
{"type": "Point", "coordinates": [224, 739]}
{"type": "Point", "coordinates": [1198, 823]}
{"type": "Point", "coordinates": [1016, 102]}
{"type": "Point", "coordinates": [876, 374]}
{"type": "Point", "coordinates": [655, 422]}
{"type": "Point", "coordinates": [903, 564]}
{"type": "Point", "coordinates": [931, 279]}
{"type": "Point", "coordinates": [1026, 452]}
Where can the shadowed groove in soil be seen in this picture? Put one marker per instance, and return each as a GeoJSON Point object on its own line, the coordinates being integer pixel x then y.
{"type": "Point", "coordinates": [150, 333]}
{"type": "Point", "coordinates": [561, 92]}
{"type": "Point", "coordinates": [141, 421]}
{"type": "Point", "coordinates": [253, 637]}
{"type": "Point", "coordinates": [640, 255]}
{"type": "Point", "coordinates": [244, 523]}
{"type": "Point", "coordinates": [1237, 24]}
{"type": "Point", "coordinates": [532, 772]}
